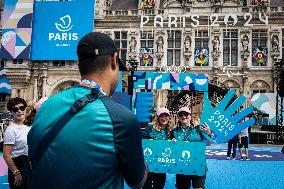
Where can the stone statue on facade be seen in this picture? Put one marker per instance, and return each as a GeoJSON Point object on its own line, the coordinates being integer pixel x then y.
{"type": "Point", "coordinates": [132, 45]}
{"type": "Point", "coordinates": [132, 48]}
{"type": "Point", "coordinates": [160, 44]}
{"type": "Point", "coordinates": [187, 44]}
{"type": "Point", "coordinates": [160, 48]}
{"type": "Point", "coordinates": [245, 47]}
{"type": "Point", "coordinates": [108, 4]}
{"type": "Point", "coordinates": [275, 43]}
{"type": "Point", "coordinates": [187, 48]}
{"type": "Point", "coordinates": [216, 48]}
{"type": "Point", "coordinates": [216, 44]}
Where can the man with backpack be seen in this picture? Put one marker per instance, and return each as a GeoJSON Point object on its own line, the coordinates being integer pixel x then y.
{"type": "Point", "coordinates": [80, 138]}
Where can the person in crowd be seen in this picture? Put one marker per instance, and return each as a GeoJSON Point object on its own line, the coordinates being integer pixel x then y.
{"type": "Point", "coordinates": [40, 102]}
{"type": "Point", "coordinates": [30, 113]}
{"type": "Point", "coordinates": [189, 130]}
{"type": "Point", "coordinates": [101, 145]}
{"type": "Point", "coordinates": [243, 142]}
{"type": "Point", "coordinates": [232, 143]}
{"type": "Point", "coordinates": [159, 130]}
{"type": "Point", "coordinates": [6, 123]}
{"type": "Point", "coordinates": [15, 151]}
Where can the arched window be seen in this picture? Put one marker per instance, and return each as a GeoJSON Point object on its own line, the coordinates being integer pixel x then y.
{"type": "Point", "coordinates": [260, 86]}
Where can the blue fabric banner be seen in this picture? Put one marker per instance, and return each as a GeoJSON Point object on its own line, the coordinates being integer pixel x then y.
{"type": "Point", "coordinates": [56, 34]}
{"type": "Point", "coordinates": [178, 157]}
{"type": "Point", "coordinates": [5, 84]}
{"type": "Point", "coordinates": [144, 102]}
{"type": "Point", "coordinates": [122, 98]}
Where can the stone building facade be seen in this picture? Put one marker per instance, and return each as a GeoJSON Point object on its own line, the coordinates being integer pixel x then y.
{"type": "Point", "coordinates": [230, 47]}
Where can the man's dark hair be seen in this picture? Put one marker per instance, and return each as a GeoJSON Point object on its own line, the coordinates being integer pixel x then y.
{"type": "Point", "coordinates": [15, 101]}
{"type": "Point", "coordinates": [94, 64]}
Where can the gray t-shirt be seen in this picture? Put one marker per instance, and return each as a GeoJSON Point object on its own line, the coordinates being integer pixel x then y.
{"type": "Point", "coordinates": [244, 133]}
{"type": "Point", "coordinates": [17, 136]}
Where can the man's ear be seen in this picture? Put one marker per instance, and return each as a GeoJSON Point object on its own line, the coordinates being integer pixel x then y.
{"type": "Point", "coordinates": [113, 62]}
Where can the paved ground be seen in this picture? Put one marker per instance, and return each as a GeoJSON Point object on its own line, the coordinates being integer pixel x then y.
{"type": "Point", "coordinates": [265, 170]}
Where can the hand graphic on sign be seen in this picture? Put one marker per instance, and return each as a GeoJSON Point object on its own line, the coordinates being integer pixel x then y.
{"type": "Point", "coordinates": [226, 123]}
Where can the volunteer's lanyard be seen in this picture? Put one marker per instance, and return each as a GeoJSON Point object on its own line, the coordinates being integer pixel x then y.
{"type": "Point", "coordinates": [93, 84]}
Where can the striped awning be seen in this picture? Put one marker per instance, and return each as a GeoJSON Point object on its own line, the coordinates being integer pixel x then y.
{"type": "Point", "coordinates": [5, 84]}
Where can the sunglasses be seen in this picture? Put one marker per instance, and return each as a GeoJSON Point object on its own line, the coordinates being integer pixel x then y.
{"type": "Point", "coordinates": [16, 109]}
{"type": "Point", "coordinates": [180, 114]}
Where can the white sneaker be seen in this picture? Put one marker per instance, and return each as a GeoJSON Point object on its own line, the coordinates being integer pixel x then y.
{"type": "Point", "coordinates": [242, 158]}
{"type": "Point", "coordinates": [234, 159]}
{"type": "Point", "coordinates": [228, 158]}
{"type": "Point", "coordinates": [247, 159]}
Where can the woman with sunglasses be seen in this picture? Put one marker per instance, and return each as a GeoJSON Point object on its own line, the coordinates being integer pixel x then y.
{"type": "Point", "coordinates": [189, 130]}
{"type": "Point", "coordinates": [15, 149]}
{"type": "Point", "coordinates": [160, 130]}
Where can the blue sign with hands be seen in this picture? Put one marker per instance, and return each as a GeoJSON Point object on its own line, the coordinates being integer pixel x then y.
{"type": "Point", "coordinates": [226, 121]}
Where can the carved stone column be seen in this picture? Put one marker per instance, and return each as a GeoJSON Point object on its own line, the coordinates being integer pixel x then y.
{"type": "Point", "coordinates": [160, 46]}
{"type": "Point", "coordinates": [275, 49]}
{"type": "Point", "coordinates": [44, 85]}
{"type": "Point", "coordinates": [187, 51]}
{"type": "Point", "coordinates": [215, 47]}
{"type": "Point", "coordinates": [245, 50]}
{"type": "Point", "coordinates": [35, 90]}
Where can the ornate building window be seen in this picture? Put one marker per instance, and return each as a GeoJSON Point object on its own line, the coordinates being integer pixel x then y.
{"type": "Point", "coordinates": [201, 39]}
{"type": "Point", "coordinates": [174, 48]}
{"type": "Point", "coordinates": [260, 86]}
{"type": "Point", "coordinates": [59, 63]}
{"type": "Point", "coordinates": [3, 97]}
{"type": "Point", "coordinates": [18, 61]}
{"type": "Point", "coordinates": [259, 47]}
{"type": "Point", "coordinates": [146, 53]}
{"type": "Point", "coordinates": [120, 39]}
{"type": "Point", "coordinates": [230, 47]}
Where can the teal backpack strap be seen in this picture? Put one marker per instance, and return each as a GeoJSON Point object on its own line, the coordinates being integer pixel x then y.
{"type": "Point", "coordinates": [48, 138]}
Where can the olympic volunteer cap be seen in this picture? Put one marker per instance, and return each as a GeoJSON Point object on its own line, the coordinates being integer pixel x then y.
{"type": "Point", "coordinates": [163, 111]}
{"type": "Point", "coordinates": [184, 109]}
{"type": "Point", "coordinates": [97, 44]}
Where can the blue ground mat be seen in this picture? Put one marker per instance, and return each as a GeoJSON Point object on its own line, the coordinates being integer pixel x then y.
{"type": "Point", "coordinates": [224, 174]}
{"type": "Point", "coordinates": [256, 153]}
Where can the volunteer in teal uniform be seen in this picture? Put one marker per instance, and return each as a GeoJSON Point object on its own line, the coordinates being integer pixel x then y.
{"type": "Point", "coordinates": [191, 131]}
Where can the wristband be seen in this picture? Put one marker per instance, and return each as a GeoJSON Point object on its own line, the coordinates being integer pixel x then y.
{"type": "Point", "coordinates": [17, 172]}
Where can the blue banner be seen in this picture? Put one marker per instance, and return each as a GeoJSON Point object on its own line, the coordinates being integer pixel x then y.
{"type": "Point", "coordinates": [175, 157]}
{"type": "Point", "coordinates": [58, 26]}
{"type": "Point", "coordinates": [5, 84]}
{"type": "Point", "coordinates": [122, 98]}
{"type": "Point", "coordinates": [144, 102]}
